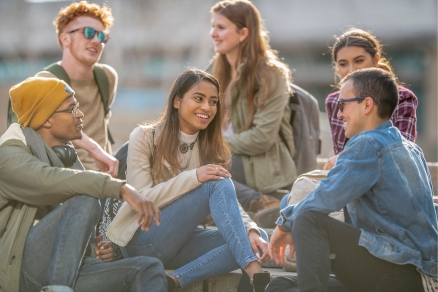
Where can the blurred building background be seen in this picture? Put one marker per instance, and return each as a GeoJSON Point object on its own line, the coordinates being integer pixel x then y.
{"type": "Point", "coordinates": [154, 40]}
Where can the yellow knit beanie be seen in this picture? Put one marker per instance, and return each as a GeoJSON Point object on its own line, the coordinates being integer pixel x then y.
{"type": "Point", "coordinates": [36, 99]}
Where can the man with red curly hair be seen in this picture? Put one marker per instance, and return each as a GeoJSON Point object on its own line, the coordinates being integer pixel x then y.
{"type": "Point", "coordinates": [82, 30]}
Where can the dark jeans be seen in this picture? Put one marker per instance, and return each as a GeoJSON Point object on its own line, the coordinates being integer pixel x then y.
{"type": "Point", "coordinates": [55, 246]}
{"type": "Point", "coordinates": [245, 195]}
{"type": "Point", "coordinates": [316, 236]}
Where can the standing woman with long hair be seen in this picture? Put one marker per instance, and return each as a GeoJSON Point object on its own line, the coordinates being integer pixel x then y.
{"type": "Point", "coordinates": [356, 49]}
{"type": "Point", "coordinates": [180, 164]}
{"type": "Point", "coordinates": [257, 89]}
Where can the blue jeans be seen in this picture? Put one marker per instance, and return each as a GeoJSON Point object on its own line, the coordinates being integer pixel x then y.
{"type": "Point", "coordinates": [196, 253]}
{"type": "Point", "coordinates": [53, 256]}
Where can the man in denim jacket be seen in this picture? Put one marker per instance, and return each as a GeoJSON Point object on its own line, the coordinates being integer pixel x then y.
{"type": "Point", "coordinates": [383, 179]}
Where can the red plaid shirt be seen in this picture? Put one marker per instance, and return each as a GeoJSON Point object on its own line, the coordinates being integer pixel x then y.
{"type": "Point", "coordinates": [404, 117]}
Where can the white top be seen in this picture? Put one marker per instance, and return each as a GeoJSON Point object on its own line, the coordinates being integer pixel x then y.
{"type": "Point", "coordinates": [184, 158]}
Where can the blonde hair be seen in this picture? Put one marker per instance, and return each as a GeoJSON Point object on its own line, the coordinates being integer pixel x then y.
{"type": "Point", "coordinates": [82, 8]}
{"type": "Point", "coordinates": [254, 52]}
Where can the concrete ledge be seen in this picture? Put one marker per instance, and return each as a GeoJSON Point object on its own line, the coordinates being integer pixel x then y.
{"type": "Point", "coordinates": [228, 282]}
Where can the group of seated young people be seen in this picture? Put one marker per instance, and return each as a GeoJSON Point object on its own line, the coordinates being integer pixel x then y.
{"type": "Point", "coordinates": [216, 151]}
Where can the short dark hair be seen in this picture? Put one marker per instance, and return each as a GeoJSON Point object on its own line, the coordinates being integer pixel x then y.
{"type": "Point", "coordinates": [378, 84]}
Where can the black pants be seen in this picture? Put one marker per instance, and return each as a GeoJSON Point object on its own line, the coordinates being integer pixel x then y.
{"type": "Point", "coordinates": [316, 236]}
{"type": "Point", "coordinates": [244, 193]}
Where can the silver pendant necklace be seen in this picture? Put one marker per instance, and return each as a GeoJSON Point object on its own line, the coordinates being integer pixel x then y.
{"type": "Point", "coordinates": [183, 148]}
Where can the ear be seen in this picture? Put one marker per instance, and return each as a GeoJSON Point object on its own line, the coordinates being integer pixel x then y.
{"type": "Point", "coordinates": [176, 102]}
{"type": "Point", "coordinates": [48, 124]}
{"type": "Point", "coordinates": [369, 105]}
{"type": "Point", "coordinates": [64, 40]}
{"type": "Point", "coordinates": [376, 59]}
{"type": "Point", "coordinates": [244, 32]}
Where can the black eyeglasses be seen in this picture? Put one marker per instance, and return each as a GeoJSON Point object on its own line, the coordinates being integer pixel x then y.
{"type": "Point", "coordinates": [341, 101]}
{"type": "Point", "coordinates": [90, 32]}
{"type": "Point", "coordinates": [74, 111]}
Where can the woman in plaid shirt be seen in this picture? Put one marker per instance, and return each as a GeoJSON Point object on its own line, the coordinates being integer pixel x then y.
{"type": "Point", "coordinates": [356, 49]}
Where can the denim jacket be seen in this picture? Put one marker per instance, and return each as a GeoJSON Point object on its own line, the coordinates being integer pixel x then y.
{"type": "Point", "coordinates": [384, 181]}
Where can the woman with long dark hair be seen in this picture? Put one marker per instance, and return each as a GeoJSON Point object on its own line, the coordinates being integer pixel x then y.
{"type": "Point", "coordinates": [180, 163]}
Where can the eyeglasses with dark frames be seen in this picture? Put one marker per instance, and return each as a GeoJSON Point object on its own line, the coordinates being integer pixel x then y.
{"type": "Point", "coordinates": [341, 101]}
{"type": "Point", "coordinates": [90, 32]}
{"type": "Point", "coordinates": [73, 111]}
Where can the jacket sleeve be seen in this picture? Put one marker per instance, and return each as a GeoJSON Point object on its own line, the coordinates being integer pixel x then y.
{"type": "Point", "coordinates": [27, 179]}
{"type": "Point", "coordinates": [264, 131]}
{"type": "Point", "coordinates": [139, 172]}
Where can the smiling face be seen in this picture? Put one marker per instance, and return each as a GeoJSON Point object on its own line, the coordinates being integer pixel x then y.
{"type": "Point", "coordinates": [197, 108]}
{"type": "Point", "coordinates": [85, 51]}
{"type": "Point", "coordinates": [352, 114]}
{"type": "Point", "coordinates": [225, 34]}
{"type": "Point", "coordinates": [63, 127]}
{"type": "Point", "coordinates": [351, 58]}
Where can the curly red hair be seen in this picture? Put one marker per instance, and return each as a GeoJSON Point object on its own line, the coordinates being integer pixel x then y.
{"type": "Point", "coordinates": [83, 8]}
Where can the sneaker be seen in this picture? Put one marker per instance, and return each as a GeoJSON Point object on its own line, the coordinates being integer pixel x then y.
{"type": "Point", "coordinates": [266, 218]}
{"type": "Point", "coordinates": [266, 210]}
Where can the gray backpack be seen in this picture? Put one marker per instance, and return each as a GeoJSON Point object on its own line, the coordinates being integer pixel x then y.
{"type": "Point", "coordinates": [305, 123]}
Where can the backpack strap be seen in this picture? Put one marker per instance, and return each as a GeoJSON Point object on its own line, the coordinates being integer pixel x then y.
{"type": "Point", "coordinates": [103, 85]}
{"type": "Point", "coordinates": [293, 98]}
{"type": "Point", "coordinates": [58, 71]}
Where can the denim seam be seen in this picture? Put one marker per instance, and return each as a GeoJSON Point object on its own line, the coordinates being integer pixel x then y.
{"type": "Point", "coordinates": [233, 231]}
{"type": "Point", "coordinates": [109, 269]}
{"type": "Point", "coordinates": [199, 265]}
{"type": "Point", "coordinates": [27, 276]}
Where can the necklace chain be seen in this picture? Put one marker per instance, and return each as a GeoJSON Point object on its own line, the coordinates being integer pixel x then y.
{"type": "Point", "coordinates": [183, 148]}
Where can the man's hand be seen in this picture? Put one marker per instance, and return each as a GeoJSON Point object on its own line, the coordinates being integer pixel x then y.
{"type": "Point", "coordinates": [331, 162]}
{"type": "Point", "coordinates": [277, 246]}
{"type": "Point", "coordinates": [105, 162]}
{"type": "Point", "coordinates": [257, 242]}
{"type": "Point", "coordinates": [147, 212]}
{"type": "Point", "coordinates": [103, 249]}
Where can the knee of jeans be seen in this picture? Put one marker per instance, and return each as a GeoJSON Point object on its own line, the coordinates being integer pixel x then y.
{"type": "Point", "coordinates": [225, 183]}
{"type": "Point", "coordinates": [148, 263]}
{"type": "Point", "coordinates": [86, 205]}
{"type": "Point", "coordinates": [303, 220]}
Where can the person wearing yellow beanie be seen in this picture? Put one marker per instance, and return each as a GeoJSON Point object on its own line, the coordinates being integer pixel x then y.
{"type": "Point", "coordinates": [35, 99]}
{"type": "Point", "coordinates": [40, 181]}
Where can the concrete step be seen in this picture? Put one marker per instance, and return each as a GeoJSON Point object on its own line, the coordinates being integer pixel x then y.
{"type": "Point", "coordinates": [227, 282]}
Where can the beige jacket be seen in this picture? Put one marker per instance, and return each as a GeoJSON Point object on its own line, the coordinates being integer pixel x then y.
{"type": "Point", "coordinates": [161, 192]}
